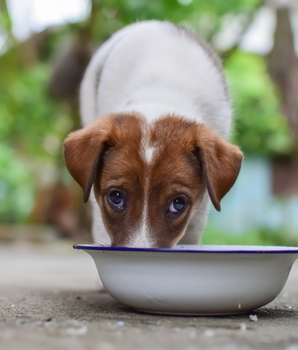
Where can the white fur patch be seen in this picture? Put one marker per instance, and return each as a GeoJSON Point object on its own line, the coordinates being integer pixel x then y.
{"type": "Point", "coordinates": [137, 75]}
{"type": "Point", "coordinates": [149, 153]}
{"type": "Point", "coordinates": [142, 234]}
{"type": "Point", "coordinates": [146, 151]}
{"type": "Point", "coordinates": [141, 237]}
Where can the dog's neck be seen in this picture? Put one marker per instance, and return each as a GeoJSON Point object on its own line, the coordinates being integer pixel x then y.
{"type": "Point", "coordinates": [155, 102]}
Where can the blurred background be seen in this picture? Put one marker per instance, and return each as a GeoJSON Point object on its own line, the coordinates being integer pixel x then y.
{"type": "Point", "coordinates": [45, 46]}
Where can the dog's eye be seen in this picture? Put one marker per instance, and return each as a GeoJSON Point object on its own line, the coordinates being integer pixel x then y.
{"type": "Point", "coordinates": [116, 199]}
{"type": "Point", "coordinates": [177, 205]}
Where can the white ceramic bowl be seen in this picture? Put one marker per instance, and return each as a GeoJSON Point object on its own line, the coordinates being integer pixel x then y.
{"type": "Point", "coordinates": [193, 280]}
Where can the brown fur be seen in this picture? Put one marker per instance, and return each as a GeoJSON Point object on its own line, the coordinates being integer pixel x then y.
{"type": "Point", "coordinates": [190, 158]}
{"type": "Point", "coordinates": [220, 161]}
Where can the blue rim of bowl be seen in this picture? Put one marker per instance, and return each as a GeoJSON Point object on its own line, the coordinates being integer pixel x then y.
{"type": "Point", "coordinates": [258, 250]}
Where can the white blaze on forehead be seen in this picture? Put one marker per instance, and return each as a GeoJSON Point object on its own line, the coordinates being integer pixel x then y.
{"type": "Point", "coordinates": [146, 149]}
{"type": "Point", "coordinates": [149, 153]}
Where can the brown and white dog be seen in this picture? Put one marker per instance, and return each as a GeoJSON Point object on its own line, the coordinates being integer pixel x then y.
{"type": "Point", "coordinates": [156, 115]}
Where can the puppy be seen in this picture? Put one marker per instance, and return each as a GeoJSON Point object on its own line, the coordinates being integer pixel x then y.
{"type": "Point", "coordinates": [156, 115]}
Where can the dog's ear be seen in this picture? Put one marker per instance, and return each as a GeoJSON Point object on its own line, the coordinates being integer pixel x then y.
{"type": "Point", "coordinates": [220, 162]}
{"type": "Point", "coordinates": [84, 150]}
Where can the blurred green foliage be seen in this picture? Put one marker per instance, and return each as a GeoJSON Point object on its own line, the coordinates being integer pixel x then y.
{"type": "Point", "coordinates": [260, 236]}
{"type": "Point", "coordinates": [31, 122]}
{"type": "Point", "coordinates": [16, 186]}
{"type": "Point", "coordinates": [259, 126]}
{"type": "Point", "coordinates": [204, 17]}
{"type": "Point", "coordinates": [33, 126]}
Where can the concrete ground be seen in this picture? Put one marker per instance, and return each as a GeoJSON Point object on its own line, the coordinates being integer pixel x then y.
{"type": "Point", "coordinates": [49, 299]}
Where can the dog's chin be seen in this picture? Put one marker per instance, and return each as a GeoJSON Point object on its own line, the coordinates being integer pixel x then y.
{"type": "Point", "coordinates": [142, 246]}
{"type": "Point", "coordinates": [131, 241]}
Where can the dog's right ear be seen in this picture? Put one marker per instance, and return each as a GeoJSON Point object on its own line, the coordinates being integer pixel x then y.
{"type": "Point", "coordinates": [84, 150]}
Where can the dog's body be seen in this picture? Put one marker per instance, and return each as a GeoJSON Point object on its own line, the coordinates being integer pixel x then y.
{"type": "Point", "coordinates": [156, 112]}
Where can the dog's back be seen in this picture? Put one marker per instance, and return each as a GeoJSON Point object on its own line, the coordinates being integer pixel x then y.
{"type": "Point", "coordinates": [156, 68]}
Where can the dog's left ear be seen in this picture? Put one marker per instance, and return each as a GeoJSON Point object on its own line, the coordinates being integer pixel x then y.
{"type": "Point", "coordinates": [220, 162]}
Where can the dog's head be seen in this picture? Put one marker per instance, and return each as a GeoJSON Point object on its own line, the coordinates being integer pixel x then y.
{"type": "Point", "coordinates": [150, 179]}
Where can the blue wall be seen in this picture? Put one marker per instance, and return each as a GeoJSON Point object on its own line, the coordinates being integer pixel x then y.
{"type": "Point", "coordinates": [251, 205]}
